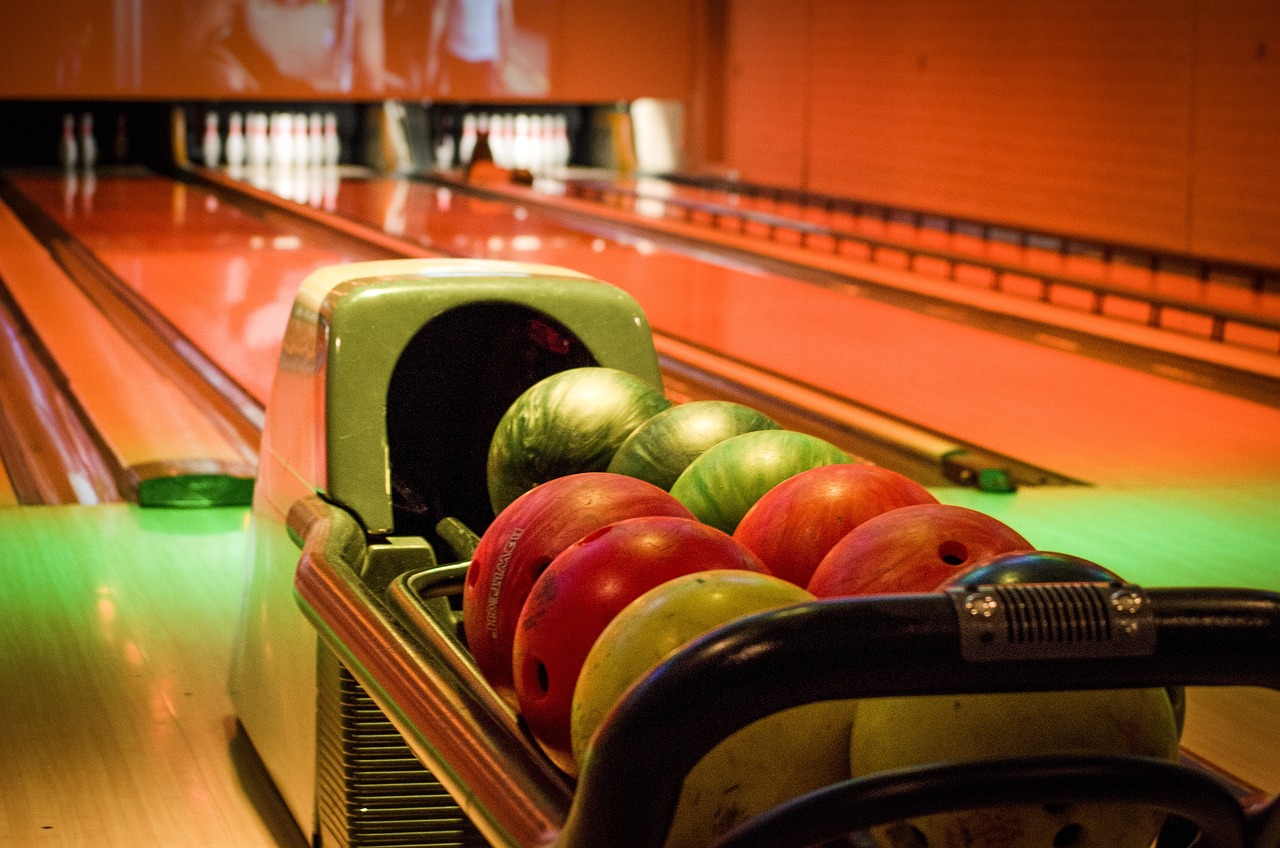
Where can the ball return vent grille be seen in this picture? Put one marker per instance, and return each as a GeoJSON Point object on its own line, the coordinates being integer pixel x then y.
{"type": "Point", "coordinates": [371, 789]}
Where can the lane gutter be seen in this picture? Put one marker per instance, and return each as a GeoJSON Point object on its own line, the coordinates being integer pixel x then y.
{"type": "Point", "coordinates": [51, 450]}
{"type": "Point", "coordinates": [232, 411]}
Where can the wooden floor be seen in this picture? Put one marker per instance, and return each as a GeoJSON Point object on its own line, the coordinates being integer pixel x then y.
{"type": "Point", "coordinates": [116, 729]}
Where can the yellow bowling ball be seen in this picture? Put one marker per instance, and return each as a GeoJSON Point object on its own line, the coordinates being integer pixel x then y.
{"type": "Point", "coordinates": [891, 733]}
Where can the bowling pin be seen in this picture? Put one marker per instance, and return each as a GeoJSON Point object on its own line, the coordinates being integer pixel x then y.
{"type": "Point", "coordinates": [250, 138]}
{"type": "Point", "coordinates": [68, 149]}
{"type": "Point", "coordinates": [301, 141]}
{"type": "Point", "coordinates": [264, 141]}
{"type": "Point", "coordinates": [444, 153]}
{"type": "Point", "coordinates": [509, 140]}
{"type": "Point", "coordinates": [332, 143]}
{"type": "Point", "coordinates": [549, 133]}
{"type": "Point", "coordinates": [521, 143]}
{"type": "Point", "coordinates": [563, 151]}
{"type": "Point", "coordinates": [235, 140]}
{"type": "Point", "coordinates": [282, 140]}
{"type": "Point", "coordinates": [315, 138]}
{"type": "Point", "coordinates": [537, 145]}
{"type": "Point", "coordinates": [211, 143]}
{"type": "Point", "coordinates": [468, 142]}
{"type": "Point", "coordinates": [255, 140]}
{"type": "Point", "coordinates": [496, 139]}
{"type": "Point", "coordinates": [274, 155]}
{"type": "Point", "coordinates": [88, 142]}
{"type": "Point", "coordinates": [551, 147]}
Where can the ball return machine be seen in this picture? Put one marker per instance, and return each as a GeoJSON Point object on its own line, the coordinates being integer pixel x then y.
{"type": "Point", "coordinates": [353, 682]}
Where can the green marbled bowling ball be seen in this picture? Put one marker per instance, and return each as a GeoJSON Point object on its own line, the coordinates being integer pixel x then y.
{"type": "Point", "coordinates": [726, 481]}
{"type": "Point", "coordinates": [661, 448]}
{"type": "Point", "coordinates": [568, 423]}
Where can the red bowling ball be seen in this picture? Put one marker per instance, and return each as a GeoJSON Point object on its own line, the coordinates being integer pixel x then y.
{"type": "Point", "coordinates": [911, 549]}
{"type": "Point", "coordinates": [525, 538]}
{"type": "Point", "coordinates": [580, 593]}
{"type": "Point", "coordinates": [795, 523]}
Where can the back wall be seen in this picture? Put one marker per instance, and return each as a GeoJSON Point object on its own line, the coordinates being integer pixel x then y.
{"type": "Point", "coordinates": [1152, 122]}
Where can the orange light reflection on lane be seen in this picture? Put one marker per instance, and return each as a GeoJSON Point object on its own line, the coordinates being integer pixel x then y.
{"type": "Point", "coordinates": [1076, 415]}
{"type": "Point", "coordinates": [224, 278]}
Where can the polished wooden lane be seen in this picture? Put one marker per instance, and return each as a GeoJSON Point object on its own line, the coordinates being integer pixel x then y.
{"type": "Point", "coordinates": [224, 278]}
{"type": "Point", "coordinates": [1075, 415]}
{"type": "Point", "coordinates": [968, 240]}
{"type": "Point", "coordinates": [144, 417]}
{"type": "Point", "coordinates": [1066, 314]}
{"type": "Point", "coordinates": [116, 729]}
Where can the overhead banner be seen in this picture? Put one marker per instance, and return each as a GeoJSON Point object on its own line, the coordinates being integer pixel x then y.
{"type": "Point", "coordinates": [346, 49]}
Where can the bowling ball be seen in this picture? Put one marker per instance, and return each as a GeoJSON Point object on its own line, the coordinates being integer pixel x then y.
{"type": "Point", "coordinates": [795, 523]}
{"type": "Point", "coordinates": [911, 549]}
{"type": "Point", "coordinates": [1031, 567]}
{"type": "Point", "coordinates": [662, 447]}
{"type": "Point", "coordinates": [570, 422]}
{"type": "Point", "coordinates": [726, 481]}
{"type": "Point", "coordinates": [523, 540]}
{"type": "Point", "coordinates": [892, 733]}
{"type": "Point", "coordinates": [657, 624]}
{"type": "Point", "coordinates": [758, 767]}
{"type": "Point", "coordinates": [580, 593]}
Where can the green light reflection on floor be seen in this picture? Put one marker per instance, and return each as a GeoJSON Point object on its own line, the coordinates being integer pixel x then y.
{"type": "Point", "coordinates": [1193, 536]}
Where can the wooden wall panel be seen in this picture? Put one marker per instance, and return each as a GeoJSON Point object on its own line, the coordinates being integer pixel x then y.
{"type": "Point", "coordinates": [705, 135]}
{"type": "Point", "coordinates": [766, 98]}
{"type": "Point", "coordinates": [621, 51]}
{"type": "Point", "coordinates": [1155, 122]}
{"type": "Point", "coordinates": [1235, 201]}
{"type": "Point", "coordinates": [563, 51]}
{"type": "Point", "coordinates": [1069, 116]}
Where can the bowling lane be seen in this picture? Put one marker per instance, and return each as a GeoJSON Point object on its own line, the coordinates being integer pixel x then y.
{"type": "Point", "coordinates": [1088, 419]}
{"type": "Point", "coordinates": [1120, 332]}
{"type": "Point", "coordinates": [997, 245]}
{"type": "Point", "coordinates": [222, 276]}
{"type": "Point", "coordinates": [145, 417]}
